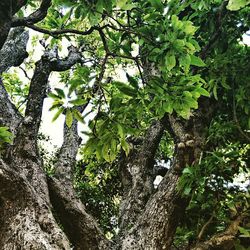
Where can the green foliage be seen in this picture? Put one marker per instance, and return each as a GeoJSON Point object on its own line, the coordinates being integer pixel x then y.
{"type": "Point", "coordinates": [5, 136]}
{"type": "Point", "coordinates": [237, 4]}
{"type": "Point", "coordinates": [217, 186]}
{"type": "Point", "coordinates": [49, 156]}
{"type": "Point", "coordinates": [99, 187]}
{"type": "Point", "coordinates": [17, 89]}
{"type": "Point", "coordinates": [195, 51]}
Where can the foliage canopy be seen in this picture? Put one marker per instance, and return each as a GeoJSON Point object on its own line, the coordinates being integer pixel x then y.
{"type": "Point", "coordinates": [143, 61]}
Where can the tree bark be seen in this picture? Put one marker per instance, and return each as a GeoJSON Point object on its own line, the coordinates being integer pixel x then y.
{"type": "Point", "coordinates": [155, 227]}
{"type": "Point", "coordinates": [26, 202]}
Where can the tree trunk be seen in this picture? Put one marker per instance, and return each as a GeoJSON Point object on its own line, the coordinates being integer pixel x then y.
{"type": "Point", "coordinates": [148, 217]}
{"type": "Point", "coordinates": [26, 218]}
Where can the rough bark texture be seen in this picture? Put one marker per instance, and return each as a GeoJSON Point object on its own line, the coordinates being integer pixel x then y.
{"type": "Point", "coordinates": [79, 226]}
{"type": "Point", "coordinates": [12, 53]}
{"type": "Point", "coordinates": [137, 176]}
{"type": "Point", "coordinates": [30, 202]}
{"type": "Point", "coordinates": [26, 203]}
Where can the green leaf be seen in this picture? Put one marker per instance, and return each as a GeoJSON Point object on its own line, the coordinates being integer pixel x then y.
{"type": "Point", "coordinates": [244, 231]}
{"type": "Point", "coordinates": [125, 89]}
{"type": "Point", "coordinates": [185, 61]}
{"type": "Point", "coordinates": [120, 130]}
{"type": "Point", "coordinates": [69, 118]}
{"type": "Point", "coordinates": [105, 152]}
{"type": "Point", "coordinates": [55, 106]}
{"type": "Point", "coordinates": [77, 115]}
{"type": "Point", "coordinates": [187, 190]}
{"type": "Point", "coordinates": [132, 81]}
{"type": "Point", "coordinates": [54, 96]}
{"type": "Point", "coordinates": [203, 92]}
{"type": "Point", "coordinates": [157, 4]}
{"type": "Point", "coordinates": [125, 146]}
{"type": "Point", "coordinates": [168, 107]}
{"type": "Point", "coordinates": [121, 3]}
{"type": "Point", "coordinates": [192, 103]}
{"type": "Point", "coordinates": [5, 135]}
{"type": "Point", "coordinates": [170, 61]}
{"type": "Point", "coordinates": [196, 61]}
{"type": "Point", "coordinates": [59, 112]}
{"type": "Point", "coordinates": [129, 6]}
{"type": "Point", "coordinates": [188, 28]}
{"type": "Point", "coordinates": [78, 102]}
{"type": "Point", "coordinates": [60, 92]}
{"type": "Point", "coordinates": [113, 149]}
{"type": "Point", "coordinates": [215, 92]}
{"type": "Point", "coordinates": [196, 44]}
{"type": "Point", "coordinates": [234, 5]}
{"type": "Point", "coordinates": [177, 24]}
{"type": "Point", "coordinates": [187, 170]}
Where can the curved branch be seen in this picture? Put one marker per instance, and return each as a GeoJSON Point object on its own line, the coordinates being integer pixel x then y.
{"type": "Point", "coordinates": [137, 176]}
{"type": "Point", "coordinates": [62, 31]}
{"type": "Point", "coordinates": [224, 240]}
{"type": "Point", "coordinates": [12, 54]}
{"type": "Point", "coordinates": [35, 17]}
{"type": "Point", "coordinates": [28, 130]}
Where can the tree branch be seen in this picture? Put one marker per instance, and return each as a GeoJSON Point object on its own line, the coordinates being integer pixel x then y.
{"type": "Point", "coordinates": [7, 10]}
{"type": "Point", "coordinates": [203, 229]}
{"type": "Point", "coordinates": [80, 227]}
{"type": "Point", "coordinates": [62, 31]}
{"type": "Point", "coordinates": [35, 17]}
{"type": "Point", "coordinates": [25, 143]}
{"type": "Point", "coordinates": [138, 177]}
{"type": "Point", "coordinates": [12, 54]}
{"type": "Point", "coordinates": [14, 51]}
{"type": "Point", "coordinates": [224, 240]}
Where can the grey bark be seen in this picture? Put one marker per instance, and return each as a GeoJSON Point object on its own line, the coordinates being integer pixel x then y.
{"type": "Point", "coordinates": [138, 177]}
{"type": "Point", "coordinates": [80, 227]}
{"type": "Point", "coordinates": [153, 227]}
{"type": "Point", "coordinates": [12, 54]}
{"type": "Point", "coordinates": [25, 199]}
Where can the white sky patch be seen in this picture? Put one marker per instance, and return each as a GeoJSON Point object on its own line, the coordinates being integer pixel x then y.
{"type": "Point", "coordinates": [246, 38]}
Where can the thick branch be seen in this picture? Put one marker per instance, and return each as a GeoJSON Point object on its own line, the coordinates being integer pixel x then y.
{"type": "Point", "coordinates": [25, 211]}
{"type": "Point", "coordinates": [137, 176]}
{"type": "Point", "coordinates": [12, 54]}
{"type": "Point", "coordinates": [7, 9]}
{"type": "Point", "coordinates": [156, 226]}
{"type": "Point", "coordinates": [224, 240]}
{"type": "Point", "coordinates": [79, 226]}
{"type": "Point", "coordinates": [14, 51]}
{"type": "Point", "coordinates": [48, 63]}
{"type": "Point", "coordinates": [35, 17]}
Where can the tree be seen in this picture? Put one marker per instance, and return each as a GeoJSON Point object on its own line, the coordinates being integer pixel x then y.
{"type": "Point", "coordinates": [185, 104]}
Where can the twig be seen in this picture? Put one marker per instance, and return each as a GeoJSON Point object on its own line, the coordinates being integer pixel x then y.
{"type": "Point", "coordinates": [203, 229]}
{"type": "Point", "coordinates": [25, 73]}
{"type": "Point", "coordinates": [140, 72]}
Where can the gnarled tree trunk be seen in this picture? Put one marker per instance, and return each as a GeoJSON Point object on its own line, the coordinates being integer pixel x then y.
{"type": "Point", "coordinates": [28, 198]}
